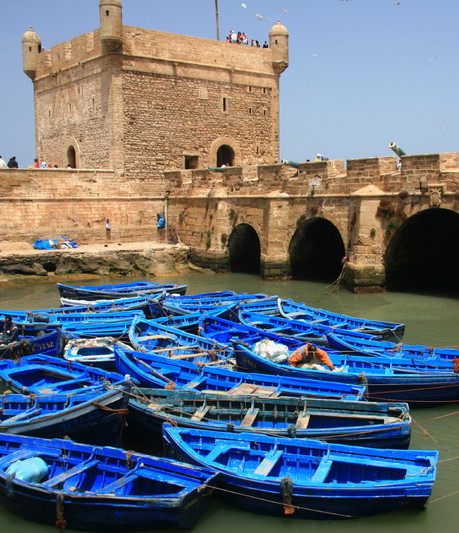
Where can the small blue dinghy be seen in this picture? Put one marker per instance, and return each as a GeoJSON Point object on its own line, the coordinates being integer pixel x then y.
{"type": "Point", "coordinates": [82, 487]}
{"type": "Point", "coordinates": [303, 478]}
{"type": "Point", "coordinates": [42, 374]}
{"type": "Point", "coordinates": [93, 417]}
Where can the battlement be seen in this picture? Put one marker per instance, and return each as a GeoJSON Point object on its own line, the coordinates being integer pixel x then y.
{"type": "Point", "coordinates": [161, 48]}
{"type": "Point", "coordinates": [322, 177]}
{"type": "Point", "coordinates": [68, 54]}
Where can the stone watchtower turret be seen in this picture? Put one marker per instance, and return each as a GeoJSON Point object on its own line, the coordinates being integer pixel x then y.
{"type": "Point", "coordinates": [31, 47]}
{"type": "Point", "coordinates": [111, 24]}
{"type": "Point", "coordinates": [278, 42]}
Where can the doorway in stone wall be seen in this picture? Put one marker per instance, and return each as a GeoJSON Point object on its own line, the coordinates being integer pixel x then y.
{"type": "Point", "coordinates": [225, 156]}
{"type": "Point", "coordinates": [71, 157]}
{"type": "Point", "coordinates": [244, 249]}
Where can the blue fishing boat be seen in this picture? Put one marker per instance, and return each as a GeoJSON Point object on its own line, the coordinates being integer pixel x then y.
{"type": "Point", "coordinates": [106, 328]}
{"type": "Point", "coordinates": [119, 290]}
{"type": "Point", "coordinates": [155, 371]}
{"type": "Point", "coordinates": [153, 337]}
{"type": "Point", "coordinates": [379, 425]}
{"type": "Point", "coordinates": [447, 358]}
{"type": "Point", "coordinates": [388, 379]}
{"type": "Point", "coordinates": [50, 343]}
{"type": "Point", "coordinates": [303, 478]}
{"type": "Point", "coordinates": [42, 374]}
{"type": "Point", "coordinates": [33, 323]}
{"type": "Point", "coordinates": [119, 304]}
{"type": "Point", "coordinates": [93, 417]}
{"type": "Point", "coordinates": [295, 329]}
{"type": "Point", "coordinates": [83, 487]}
{"type": "Point", "coordinates": [95, 351]}
{"type": "Point", "coordinates": [287, 308]}
{"type": "Point", "coordinates": [171, 304]}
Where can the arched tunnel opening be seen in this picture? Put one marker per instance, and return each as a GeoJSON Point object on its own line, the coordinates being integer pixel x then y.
{"type": "Point", "coordinates": [316, 251]}
{"type": "Point", "coordinates": [423, 254]}
{"type": "Point", "coordinates": [244, 249]}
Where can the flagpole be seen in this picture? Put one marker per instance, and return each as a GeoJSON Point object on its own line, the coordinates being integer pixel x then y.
{"type": "Point", "coordinates": [216, 20]}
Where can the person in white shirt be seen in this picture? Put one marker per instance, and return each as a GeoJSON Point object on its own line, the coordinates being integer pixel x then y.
{"type": "Point", "coordinates": [3, 163]}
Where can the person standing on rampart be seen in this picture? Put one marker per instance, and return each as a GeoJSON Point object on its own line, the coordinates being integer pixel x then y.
{"type": "Point", "coordinates": [3, 163]}
{"type": "Point", "coordinates": [12, 163]}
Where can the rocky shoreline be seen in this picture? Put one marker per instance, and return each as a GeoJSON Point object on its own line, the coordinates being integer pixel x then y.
{"type": "Point", "coordinates": [20, 260]}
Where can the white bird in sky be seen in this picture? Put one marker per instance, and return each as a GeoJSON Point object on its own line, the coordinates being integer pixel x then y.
{"type": "Point", "coordinates": [315, 55]}
{"type": "Point", "coordinates": [285, 10]}
{"type": "Point", "coordinates": [442, 127]}
{"type": "Point", "coordinates": [244, 6]}
{"type": "Point", "coordinates": [429, 60]}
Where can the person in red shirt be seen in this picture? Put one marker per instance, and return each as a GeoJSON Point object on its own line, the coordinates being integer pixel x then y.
{"type": "Point", "coordinates": [309, 356]}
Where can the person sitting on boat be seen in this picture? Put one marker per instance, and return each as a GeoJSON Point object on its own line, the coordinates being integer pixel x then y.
{"type": "Point", "coordinates": [10, 331]}
{"type": "Point", "coordinates": [309, 356]}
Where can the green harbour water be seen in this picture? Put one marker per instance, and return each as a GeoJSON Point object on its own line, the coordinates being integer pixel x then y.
{"type": "Point", "coordinates": [430, 320]}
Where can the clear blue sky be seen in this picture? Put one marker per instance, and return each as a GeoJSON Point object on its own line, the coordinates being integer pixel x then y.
{"type": "Point", "coordinates": [362, 72]}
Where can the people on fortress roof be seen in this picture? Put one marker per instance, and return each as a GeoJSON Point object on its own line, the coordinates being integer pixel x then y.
{"type": "Point", "coordinates": [241, 38]}
{"type": "Point", "coordinates": [36, 164]}
{"type": "Point", "coordinates": [3, 163]}
{"type": "Point", "coordinates": [12, 163]}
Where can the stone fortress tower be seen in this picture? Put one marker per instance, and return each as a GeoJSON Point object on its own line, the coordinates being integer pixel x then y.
{"type": "Point", "coordinates": [141, 101]}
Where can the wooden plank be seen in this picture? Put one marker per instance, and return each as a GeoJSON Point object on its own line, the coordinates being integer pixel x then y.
{"type": "Point", "coordinates": [265, 467]}
{"type": "Point", "coordinates": [200, 413]}
{"type": "Point", "coordinates": [249, 418]}
{"type": "Point", "coordinates": [302, 421]}
{"type": "Point", "coordinates": [63, 476]}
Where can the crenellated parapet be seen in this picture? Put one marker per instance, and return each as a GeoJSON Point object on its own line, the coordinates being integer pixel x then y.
{"type": "Point", "coordinates": [324, 178]}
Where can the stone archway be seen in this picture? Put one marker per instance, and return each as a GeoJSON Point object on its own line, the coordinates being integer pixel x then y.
{"type": "Point", "coordinates": [71, 157]}
{"type": "Point", "coordinates": [221, 148]}
{"type": "Point", "coordinates": [423, 254]}
{"type": "Point", "coordinates": [71, 154]}
{"type": "Point", "coordinates": [244, 249]}
{"type": "Point", "coordinates": [316, 251]}
{"type": "Point", "coordinates": [225, 156]}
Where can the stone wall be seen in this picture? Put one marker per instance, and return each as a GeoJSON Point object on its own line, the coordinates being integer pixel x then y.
{"type": "Point", "coordinates": [43, 204]}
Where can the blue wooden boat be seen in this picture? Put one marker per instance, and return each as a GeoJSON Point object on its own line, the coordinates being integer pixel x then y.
{"type": "Point", "coordinates": [50, 343]}
{"type": "Point", "coordinates": [119, 304]}
{"type": "Point", "coordinates": [119, 290]}
{"type": "Point", "coordinates": [303, 478]}
{"type": "Point", "coordinates": [446, 358]}
{"type": "Point", "coordinates": [84, 487]}
{"type": "Point", "coordinates": [42, 374]}
{"type": "Point", "coordinates": [388, 379]}
{"type": "Point", "coordinates": [95, 351]}
{"type": "Point", "coordinates": [153, 337]}
{"type": "Point", "coordinates": [93, 417]}
{"type": "Point", "coordinates": [33, 323]}
{"type": "Point", "coordinates": [155, 371]}
{"type": "Point", "coordinates": [295, 329]}
{"type": "Point", "coordinates": [199, 303]}
{"type": "Point", "coordinates": [287, 308]}
{"type": "Point", "coordinates": [379, 425]}
{"type": "Point", "coordinates": [107, 328]}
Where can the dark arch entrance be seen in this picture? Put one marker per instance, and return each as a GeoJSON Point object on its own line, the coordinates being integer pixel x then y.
{"type": "Point", "coordinates": [225, 156]}
{"type": "Point", "coordinates": [71, 157]}
{"type": "Point", "coordinates": [244, 249]}
{"type": "Point", "coordinates": [316, 251]}
{"type": "Point", "coordinates": [424, 253]}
